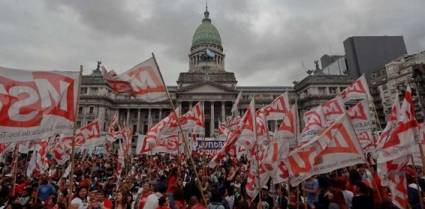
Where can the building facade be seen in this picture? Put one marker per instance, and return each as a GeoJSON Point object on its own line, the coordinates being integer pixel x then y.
{"type": "Point", "coordinates": [366, 54]}
{"type": "Point", "coordinates": [389, 82]}
{"type": "Point", "coordinates": [207, 81]}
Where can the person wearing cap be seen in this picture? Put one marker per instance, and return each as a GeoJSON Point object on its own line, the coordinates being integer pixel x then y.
{"type": "Point", "coordinates": [152, 202]}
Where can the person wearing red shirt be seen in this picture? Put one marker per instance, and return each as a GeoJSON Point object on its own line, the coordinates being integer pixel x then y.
{"type": "Point", "coordinates": [194, 202]}
{"type": "Point", "coordinates": [147, 190]}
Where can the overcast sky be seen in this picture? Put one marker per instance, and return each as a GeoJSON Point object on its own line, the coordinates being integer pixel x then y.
{"type": "Point", "coordinates": [266, 42]}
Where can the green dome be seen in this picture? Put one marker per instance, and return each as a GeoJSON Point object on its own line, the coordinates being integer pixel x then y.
{"type": "Point", "coordinates": [206, 33]}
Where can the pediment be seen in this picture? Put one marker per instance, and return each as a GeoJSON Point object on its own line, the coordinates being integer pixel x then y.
{"type": "Point", "coordinates": [206, 88]}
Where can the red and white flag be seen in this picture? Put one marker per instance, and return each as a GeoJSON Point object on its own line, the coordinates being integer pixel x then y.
{"type": "Point", "coordinates": [314, 123]}
{"type": "Point", "coordinates": [287, 130]}
{"type": "Point", "coordinates": [332, 110]}
{"type": "Point", "coordinates": [398, 188]}
{"type": "Point", "coordinates": [32, 165]}
{"type": "Point", "coordinates": [194, 120]}
{"type": "Point", "coordinates": [392, 121]}
{"type": "Point", "coordinates": [401, 140]}
{"type": "Point", "coordinates": [142, 81]}
{"type": "Point", "coordinates": [258, 171]}
{"type": "Point", "coordinates": [166, 127]}
{"type": "Point", "coordinates": [337, 147]}
{"type": "Point", "coordinates": [391, 168]}
{"type": "Point", "coordinates": [356, 91]}
{"type": "Point", "coordinates": [36, 104]}
{"type": "Point", "coordinates": [277, 109]}
{"type": "Point", "coordinates": [254, 129]}
{"type": "Point", "coordinates": [362, 124]}
{"type": "Point", "coordinates": [421, 142]}
{"type": "Point", "coordinates": [87, 133]}
{"type": "Point", "coordinates": [39, 161]}
{"type": "Point", "coordinates": [119, 86]}
{"type": "Point", "coordinates": [60, 148]}
{"type": "Point", "coordinates": [232, 137]}
{"type": "Point", "coordinates": [166, 144]}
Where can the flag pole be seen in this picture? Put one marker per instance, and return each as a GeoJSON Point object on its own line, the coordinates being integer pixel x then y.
{"type": "Point", "coordinates": [15, 167]}
{"type": "Point", "coordinates": [254, 124]}
{"type": "Point", "coordinates": [181, 130]}
{"type": "Point", "coordinates": [71, 173]}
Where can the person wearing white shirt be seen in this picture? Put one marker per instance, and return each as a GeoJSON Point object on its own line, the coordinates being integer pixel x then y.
{"type": "Point", "coordinates": [152, 201]}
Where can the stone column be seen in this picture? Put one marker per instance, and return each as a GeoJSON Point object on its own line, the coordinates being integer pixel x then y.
{"type": "Point", "coordinates": [160, 113]}
{"type": "Point", "coordinates": [223, 112]}
{"type": "Point", "coordinates": [149, 118]}
{"type": "Point", "coordinates": [212, 119]}
{"type": "Point", "coordinates": [128, 118]}
{"type": "Point", "coordinates": [138, 121]}
{"type": "Point", "coordinates": [179, 105]}
{"type": "Point", "coordinates": [83, 116]}
{"type": "Point", "coordinates": [190, 105]}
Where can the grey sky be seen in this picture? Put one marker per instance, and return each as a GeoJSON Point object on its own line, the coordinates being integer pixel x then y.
{"type": "Point", "coordinates": [265, 42]}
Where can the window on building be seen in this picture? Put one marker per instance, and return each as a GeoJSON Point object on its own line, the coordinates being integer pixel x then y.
{"type": "Point", "coordinates": [91, 109]}
{"type": "Point", "coordinates": [332, 90]}
{"type": "Point", "coordinates": [84, 90]}
{"type": "Point", "coordinates": [78, 124]}
{"type": "Point", "coordinates": [93, 90]}
{"type": "Point", "coordinates": [322, 90]}
{"type": "Point", "coordinates": [80, 110]}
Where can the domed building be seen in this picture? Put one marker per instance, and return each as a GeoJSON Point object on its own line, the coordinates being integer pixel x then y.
{"type": "Point", "coordinates": [206, 80]}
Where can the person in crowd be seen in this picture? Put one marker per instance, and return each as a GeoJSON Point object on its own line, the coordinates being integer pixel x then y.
{"type": "Point", "coordinates": [341, 184]}
{"type": "Point", "coordinates": [311, 189]}
{"type": "Point", "coordinates": [163, 203]}
{"type": "Point", "coordinates": [216, 200]}
{"type": "Point", "coordinates": [282, 198]}
{"type": "Point", "coordinates": [80, 200]}
{"type": "Point", "coordinates": [45, 189]}
{"type": "Point", "coordinates": [152, 200]}
{"type": "Point", "coordinates": [120, 201]}
{"type": "Point", "coordinates": [413, 191]}
{"type": "Point", "coordinates": [146, 191]}
{"type": "Point", "coordinates": [363, 198]}
{"type": "Point", "coordinates": [195, 204]}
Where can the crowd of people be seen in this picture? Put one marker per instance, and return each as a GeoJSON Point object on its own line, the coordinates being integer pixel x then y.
{"type": "Point", "coordinates": [165, 181]}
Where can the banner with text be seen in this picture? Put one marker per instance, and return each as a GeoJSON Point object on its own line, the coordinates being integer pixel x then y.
{"type": "Point", "coordinates": [36, 105]}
